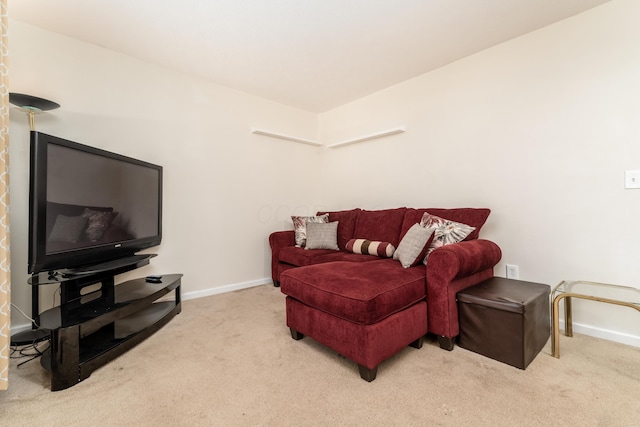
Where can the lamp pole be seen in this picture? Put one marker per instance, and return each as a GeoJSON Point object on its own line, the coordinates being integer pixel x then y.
{"type": "Point", "coordinates": [32, 105]}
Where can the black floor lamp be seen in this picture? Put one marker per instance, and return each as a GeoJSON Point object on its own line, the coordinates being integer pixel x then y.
{"type": "Point", "coordinates": [31, 105]}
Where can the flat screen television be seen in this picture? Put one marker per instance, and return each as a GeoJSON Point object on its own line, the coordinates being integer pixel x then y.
{"type": "Point", "coordinates": [89, 206]}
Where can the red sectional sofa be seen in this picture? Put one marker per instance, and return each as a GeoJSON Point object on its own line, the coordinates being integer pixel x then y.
{"type": "Point", "coordinates": [367, 307]}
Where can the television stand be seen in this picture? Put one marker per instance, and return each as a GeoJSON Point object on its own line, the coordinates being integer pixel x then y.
{"type": "Point", "coordinates": [107, 265]}
{"type": "Point", "coordinates": [89, 329]}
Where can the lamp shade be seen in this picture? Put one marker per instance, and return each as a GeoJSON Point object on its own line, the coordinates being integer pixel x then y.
{"type": "Point", "coordinates": [32, 105]}
{"type": "Point", "coordinates": [32, 102]}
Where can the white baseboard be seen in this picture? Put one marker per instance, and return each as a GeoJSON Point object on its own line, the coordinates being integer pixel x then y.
{"type": "Point", "coordinates": [15, 329]}
{"type": "Point", "coordinates": [604, 334]}
{"type": "Point", "coordinates": [579, 328]}
{"type": "Point", "coordinates": [224, 289]}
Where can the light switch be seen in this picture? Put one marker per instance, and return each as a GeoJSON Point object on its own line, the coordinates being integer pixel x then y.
{"type": "Point", "coordinates": [632, 179]}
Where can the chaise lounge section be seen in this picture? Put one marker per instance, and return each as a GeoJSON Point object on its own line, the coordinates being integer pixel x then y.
{"type": "Point", "coordinates": [369, 307]}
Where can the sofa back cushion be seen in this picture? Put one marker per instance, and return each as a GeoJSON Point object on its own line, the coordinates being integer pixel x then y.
{"type": "Point", "coordinates": [346, 224]}
{"type": "Point", "coordinates": [475, 217]}
{"type": "Point", "coordinates": [382, 225]}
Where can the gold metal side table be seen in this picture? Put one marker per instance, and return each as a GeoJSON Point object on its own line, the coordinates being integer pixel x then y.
{"type": "Point", "coordinates": [567, 289]}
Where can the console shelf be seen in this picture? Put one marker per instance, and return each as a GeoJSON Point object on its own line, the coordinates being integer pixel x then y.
{"type": "Point", "coordinates": [94, 328]}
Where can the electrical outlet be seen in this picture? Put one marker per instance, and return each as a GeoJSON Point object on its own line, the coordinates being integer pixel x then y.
{"type": "Point", "coordinates": [632, 179]}
{"type": "Point", "coordinates": [512, 271]}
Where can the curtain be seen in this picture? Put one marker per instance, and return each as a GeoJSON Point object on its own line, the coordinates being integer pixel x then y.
{"type": "Point", "coordinates": [5, 278]}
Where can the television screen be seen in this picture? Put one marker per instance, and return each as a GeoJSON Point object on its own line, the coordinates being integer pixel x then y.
{"type": "Point", "coordinates": [89, 205]}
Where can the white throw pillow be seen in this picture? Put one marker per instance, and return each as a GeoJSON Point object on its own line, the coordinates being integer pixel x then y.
{"type": "Point", "coordinates": [413, 246]}
{"type": "Point", "coordinates": [322, 236]}
{"type": "Point", "coordinates": [300, 226]}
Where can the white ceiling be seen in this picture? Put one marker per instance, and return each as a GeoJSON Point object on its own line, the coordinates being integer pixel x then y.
{"type": "Point", "coordinates": [311, 54]}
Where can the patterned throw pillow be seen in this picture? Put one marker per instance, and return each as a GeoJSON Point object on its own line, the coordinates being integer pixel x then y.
{"type": "Point", "coordinates": [445, 232]}
{"type": "Point", "coordinates": [98, 222]}
{"type": "Point", "coordinates": [300, 226]}
{"type": "Point", "coordinates": [413, 246]}
{"type": "Point", "coordinates": [322, 236]}
{"type": "Point", "coordinates": [370, 247]}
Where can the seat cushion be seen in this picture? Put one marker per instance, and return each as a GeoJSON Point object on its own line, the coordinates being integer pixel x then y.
{"type": "Point", "coordinates": [301, 257]}
{"type": "Point", "coordinates": [363, 293]}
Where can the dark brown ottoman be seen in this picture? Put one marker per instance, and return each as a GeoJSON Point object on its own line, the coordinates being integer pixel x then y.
{"type": "Point", "coordinates": [504, 319]}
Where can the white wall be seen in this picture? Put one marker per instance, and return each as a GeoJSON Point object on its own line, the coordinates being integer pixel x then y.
{"type": "Point", "coordinates": [539, 129]}
{"type": "Point", "coordinates": [225, 189]}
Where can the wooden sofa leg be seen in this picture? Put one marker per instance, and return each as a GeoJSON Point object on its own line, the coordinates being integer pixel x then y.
{"type": "Point", "coordinates": [446, 343]}
{"type": "Point", "coordinates": [417, 343]}
{"type": "Point", "coordinates": [366, 373]}
{"type": "Point", "coordinates": [276, 283]}
{"type": "Point", "coordinates": [295, 334]}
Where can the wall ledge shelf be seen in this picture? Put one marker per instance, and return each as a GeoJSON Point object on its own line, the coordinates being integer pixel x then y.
{"type": "Point", "coordinates": [376, 135]}
{"type": "Point", "coordinates": [285, 137]}
{"type": "Point", "coordinates": [369, 137]}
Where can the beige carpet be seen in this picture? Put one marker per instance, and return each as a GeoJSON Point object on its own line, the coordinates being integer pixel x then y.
{"type": "Point", "coordinates": [228, 360]}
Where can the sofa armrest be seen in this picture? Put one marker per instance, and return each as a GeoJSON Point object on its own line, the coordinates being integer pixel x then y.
{"type": "Point", "coordinates": [462, 259]}
{"type": "Point", "coordinates": [451, 269]}
{"type": "Point", "coordinates": [277, 241]}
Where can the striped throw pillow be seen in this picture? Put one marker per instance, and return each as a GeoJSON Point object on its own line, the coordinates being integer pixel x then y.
{"type": "Point", "coordinates": [371, 247]}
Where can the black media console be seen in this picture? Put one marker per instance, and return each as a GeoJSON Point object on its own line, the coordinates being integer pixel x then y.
{"type": "Point", "coordinates": [97, 320]}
